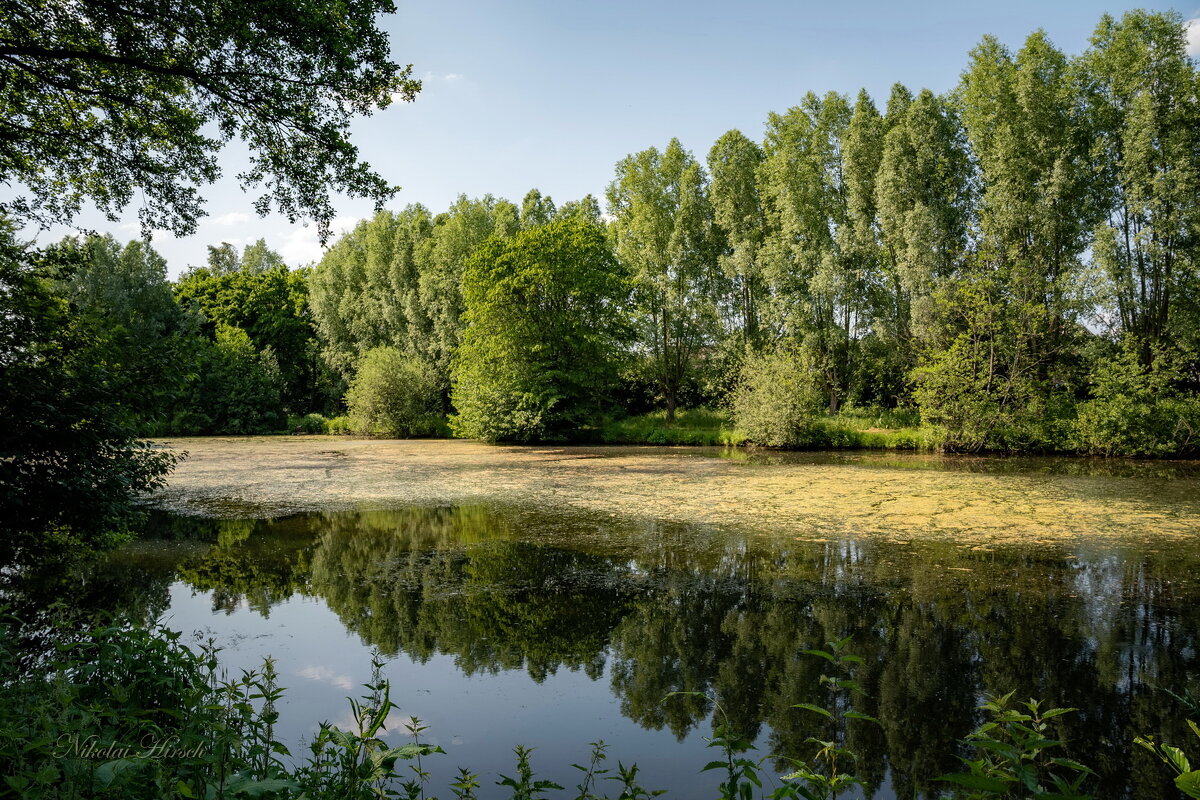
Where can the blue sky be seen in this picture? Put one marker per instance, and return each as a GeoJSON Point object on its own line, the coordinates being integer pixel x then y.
{"type": "Point", "coordinates": [550, 94]}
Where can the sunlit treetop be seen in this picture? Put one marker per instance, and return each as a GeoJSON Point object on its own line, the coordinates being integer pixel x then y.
{"type": "Point", "coordinates": [124, 101]}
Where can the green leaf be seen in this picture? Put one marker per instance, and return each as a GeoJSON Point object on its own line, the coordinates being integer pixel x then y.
{"type": "Point", "coordinates": [821, 654]}
{"type": "Point", "coordinates": [1189, 784]}
{"type": "Point", "coordinates": [252, 787]}
{"type": "Point", "coordinates": [107, 772]}
{"type": "Point", "coordinates": [859, 715]}
{"type": "Point", "coordinates": [1069, 764]}
{"type": "Point", "coordinates": [1057, 712]}
{"type": "Point", "coordinates": [814, 709]}
{"type": "Point", "coordinates": [1175, 757]}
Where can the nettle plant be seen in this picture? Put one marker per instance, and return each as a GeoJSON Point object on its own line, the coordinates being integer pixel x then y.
{"type": "Point", "coordinates": [1014, 756]}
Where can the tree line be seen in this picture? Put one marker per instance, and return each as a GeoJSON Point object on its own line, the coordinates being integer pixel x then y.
{"type": "Point", "coordinates": [1013, 262]}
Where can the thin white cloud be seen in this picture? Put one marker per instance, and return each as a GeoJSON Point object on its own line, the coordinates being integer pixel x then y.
{"type": "Point", "coordinates": [326, 675]}
{"type": "Point", "coordinates": [1193, 37]}
{"type": "Point", "coordinates": [451, 76]}
{"type": "Point", "coordinates": [232, 218]}
{"type": "Point", "coordinates": [300, 246]}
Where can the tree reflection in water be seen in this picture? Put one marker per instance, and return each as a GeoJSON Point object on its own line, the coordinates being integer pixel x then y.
{"type": "Point", "coordinates": [670, 608]}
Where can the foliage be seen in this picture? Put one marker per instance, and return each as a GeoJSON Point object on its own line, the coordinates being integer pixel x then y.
{"type": "Point", "coordinates": [778, 400]}
{"type": "Point", "coordinates": [1013, 756]}
{"type": "Point", "coordinates": [1139, 89]}
{"type": "Point", "coordinates": [663, 233]}
{"type": "Point", "coordinates": [84, 722]}
{"type": "Point", "coordinates": [236, 389]}
{"type": "Point", "coordinates": [1137, 409]}
{"type": "Point", "coordinates": [690, 427]}
{"type": "Point", "coordinates": [1187, 780]}
{"type": "Point", "coordinates": [260, 295]}
{"type": "Point", "coordinates": [828, 778]}
{"type": "Point", "coordinates": [309, 423]}
{"type": "Point", "coordinates": [71, 467]}
{"type": "Point", "coordinates": [122, 293]}
{"type": "Point", "coordinates": [104, 101]}
{"type": "Point", "coordinates": [393, 395]}
{"type": "Point", "coordinates": [544, 313]}
{"type": "Point", "coordinates": [395, 280]}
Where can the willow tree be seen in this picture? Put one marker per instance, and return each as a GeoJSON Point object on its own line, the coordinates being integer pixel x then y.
{"type": "Point", "coordinates": [456, 235]}
{"type": "Point", "coordinates": [545, 328]}
{"type": "Point", "coordinates": [996, 361]}
{"type": "Point", "coordinates": [663, 232]}
{"type": "Point", "coordinates": [923, 201]}
{"type": "Point", "coordinates": [1143, 95]}
{"type": "Point", "coordinates": [883, 321]}
{"type": "Point", "coordinates": [536, 209]}
{"type": "Point", "coordinates": [815, 291]}
{"type": "Point", "coordinates": [734, 162]}
{"type": "Point", "coordinates": [395, 281]}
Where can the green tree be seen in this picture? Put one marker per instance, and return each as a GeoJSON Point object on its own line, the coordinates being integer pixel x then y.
{"type": "Point", "coordinates": [395, 281]}
{"type": "Point", "coordinates": [664, 234]}
{"type": "Point", "coordinates": [734, 162]}
{"type": "Point", "coordinates": [70, 462]}
{"type": "Point", "coordinates": [815, 291]}
{"type": "Point", "coordinates": [923, 200]}
{"type": "Point", "coordinates": [536, 209]}
{"type": "Point", "coordinates": [995, 374]}
{"type": "Point", "coordinates": [587, 209]}
{"type": "Point", "coordinates": [394, 395]}
{"type": "Point", "coordinates": [236, 389]}
{"type": "Point", "coordinates": [883, 321]}
{"type": "Point", "coordinates": [104, 101]}
{"type": "Point", "coordinates": [1143, 99]}
{"type": "Point", "coordinates": [271, 304]}
{"type": "Point", "coordinates": [545, 328]}
{"type": "Point", "coordinates": [223, 259]}
{"type": "Point", "coordinates": [121, 293]}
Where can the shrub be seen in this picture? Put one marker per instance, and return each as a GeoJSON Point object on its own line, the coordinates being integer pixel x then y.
{"type": "Point", "coordinates": [1137, 410]}
{"type": "Point", "coordinates": [394, 395]}
{"type": "Point", "coordinates": [309, 423]}
{"type": "Point", "coordinates": [778, 401]}
{"type": "Point", "coordinates": [339, 425]}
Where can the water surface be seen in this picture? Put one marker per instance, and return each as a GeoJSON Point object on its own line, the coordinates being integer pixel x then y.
{"type": "Point", "coordinates": [509, 619]}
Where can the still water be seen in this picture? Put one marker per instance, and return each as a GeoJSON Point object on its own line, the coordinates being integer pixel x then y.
{"type": "Point", "coordinates": [506, 623]}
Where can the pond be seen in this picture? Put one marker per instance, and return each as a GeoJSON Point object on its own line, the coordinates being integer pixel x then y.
{"type": "Point", "coordinates": [553, 597]}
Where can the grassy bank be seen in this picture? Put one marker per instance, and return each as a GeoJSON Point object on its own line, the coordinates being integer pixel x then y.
{"type": "Point", "coordinates": [855, 429]}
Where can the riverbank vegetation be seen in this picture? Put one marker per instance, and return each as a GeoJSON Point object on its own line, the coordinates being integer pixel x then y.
{"type": "Point", "coordinates": [1008, 267]}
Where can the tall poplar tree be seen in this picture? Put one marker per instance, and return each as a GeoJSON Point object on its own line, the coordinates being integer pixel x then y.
{"type": "Point", "coordinates": [815, 300]}
{"type": "Point", "coordinates": [734, 162]}
{"type": "Point", "coordinates": [1143, 94]}
{"type": "Point", "coordinates": [663, 232]}
{"type": "Point", "coordinates": [994, 374]}
{"type": "Point", "coordinates": [883, 320]}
